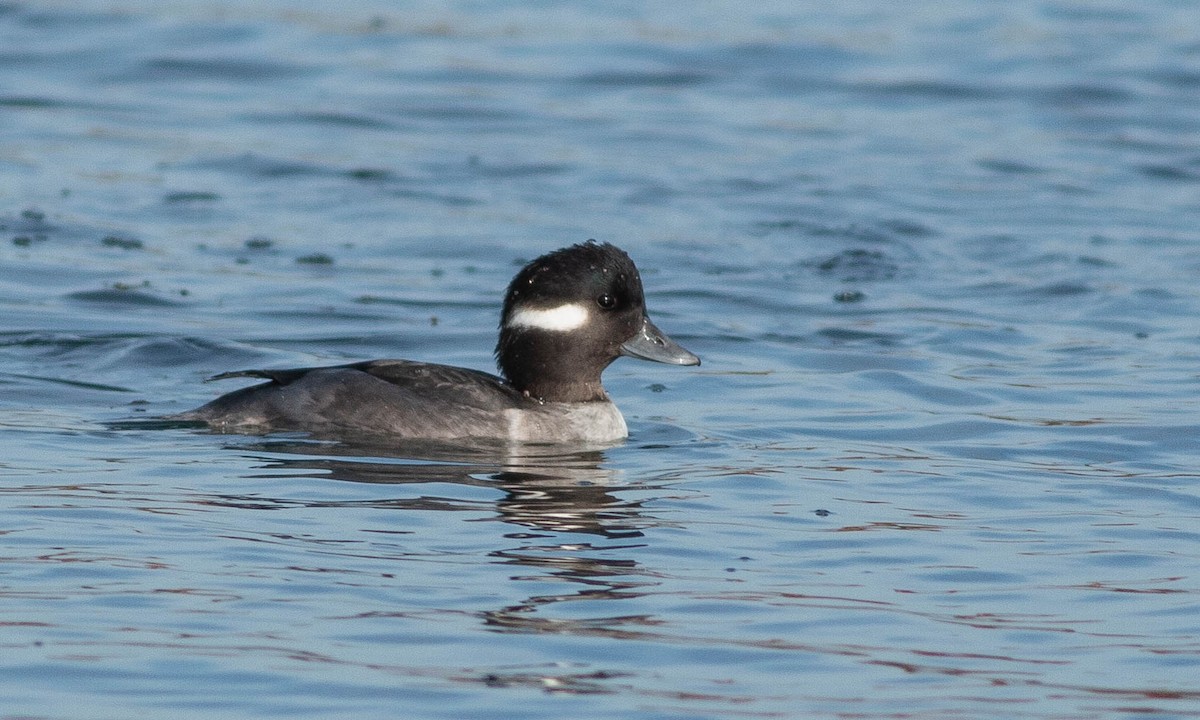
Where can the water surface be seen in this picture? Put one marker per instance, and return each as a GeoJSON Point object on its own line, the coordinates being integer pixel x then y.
{"type": "Point", "coordinates": [940, 262]}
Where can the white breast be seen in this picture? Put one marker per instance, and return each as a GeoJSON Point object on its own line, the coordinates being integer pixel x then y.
{"type": "Point", "coordinates": [591, 422]}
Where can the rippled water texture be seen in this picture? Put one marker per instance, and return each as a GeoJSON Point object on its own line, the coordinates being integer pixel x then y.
{"type": "Point", "coordinates": [940, 260]}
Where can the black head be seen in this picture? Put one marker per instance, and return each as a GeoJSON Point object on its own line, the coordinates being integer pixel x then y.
{"type": "Point", "coordinates": [570, 313]}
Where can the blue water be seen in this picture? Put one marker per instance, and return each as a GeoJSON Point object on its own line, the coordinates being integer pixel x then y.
{"type": "Point", "coordinates": [941, 261]}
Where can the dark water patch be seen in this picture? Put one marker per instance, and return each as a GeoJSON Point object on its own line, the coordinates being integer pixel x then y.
{"type": "Point", "coordinates": [1158, 143]}
{"type": "Point", "coordinates": [1009, 167]}
{"type": "Point", "coordinates": [959, 578]}
{"type": "Point", "coordinates": [124, 296]}
{"type": "Point", "coordinates": [856, 232]}
{"type": "Point", "coordinates": [455, 75]}
{"type": "Point", "coordinates": [1079, 94]}
{"type": "Point", "coordinates": [124, 357]}
{"type": "Point", "coordinates": [929, 89]}
{"type": "Point", "coordinates": [222, 70]}
{"type": "Point", "coordinates": [642, 78]}
{"type": "Point", "coordinates": [955, 438]}
{"type": "Point", "coordinates": [857, 265]}
{"type": "Point", "coordinates": [259, 166]}
{"type": "Point", "coordinates": [459, 113]}
{"type": "Point", "coordinates": [780, 58]}
{"type": "Point", "coordinates": [854, 336]}
{"type": "Point", "coordinates": [908, 228]}
{"type": "Point", "coordinates": [201, 33]}
{"type": "Point", "coordinates": [259, 243]}
{"type": "Point", "coordinates": [315, 259]}
{"type": "Point", "coordinates": [372, 175]}
{"type": "Point", "coordinates": [190, 196]}
{"type": "Point", "coordinates": [1104, 15]}
{"type": "Point", "coordinates": [1188, 173]}
{"type": "Point", "coordinates": [1180, 78]}
{"type": "Point", "coordinates": [154, 423]}
{"type": "Point", "coordinates": [450, 200]}
{"type": "Point", "coordinates": [81, 384]}
{"type": "Point", "coordinates": [1067, 189]}
{"type": "Point", "coordinates": [1096, 262]}
{"type": "Point", "coordinates": [36, 102]}
{"type": "Point", "coordinates": [726, 268]}
{"type": "Point", "coordinates": [502, 170]}
{"type": "Point", "coordinates": [1060, 290]}
{"type": "Point", "coordinates": [934, 394]}
{"type": "Point", "coordinates": [762, 228]}
{"type": "Point", "coordinates": [742, 297]}
{"type": "Point", "coordinates": [44, 19]}
{"type": "Point", "coordinates": [450, 303]}
{"type": "Point", "coordinates": [28, 220]}
{"type": "Point", "coordinates": [159, 352]}
{"type": "Point", "coordinates": [323, 118]}
{"type": "Point", "coordinates": [887, 231]}
{"type": "Point", "coordinates": [301, 321]}
{"type": "Point", "coordinates": [36, 227]}
{"type": "Point", "coordinates": [58, 342]}
{"type": "Point", "coordinates": [28, 228]}
{"type": "Point", "coordinates": [28, 102]}
{"type": "Point", "coordinates": [741, 186]}
{"type": "Point", "coordinates": [650, 194]}
{"type": "Point", "coordinates": [123, 242]}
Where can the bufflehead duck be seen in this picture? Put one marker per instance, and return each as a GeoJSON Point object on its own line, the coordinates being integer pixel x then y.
{"type": "Point", "coordinates": [567, 315]}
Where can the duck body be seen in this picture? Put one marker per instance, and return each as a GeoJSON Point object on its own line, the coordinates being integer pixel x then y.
{"type": "Point", "coordinates": [407, 400]}
{"type": "Point", "coordinates": [567, 315]}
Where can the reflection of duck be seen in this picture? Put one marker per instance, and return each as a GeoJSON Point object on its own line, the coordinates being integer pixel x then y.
{"type": "Point", "coordinates": [567, 316]}
{"type": "Point", "coordinates": [545, 493]}
{"type": "Point", "coordinates": [544, 490]}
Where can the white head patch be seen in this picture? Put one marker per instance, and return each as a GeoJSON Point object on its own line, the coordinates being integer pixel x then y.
{"type": "Point", "coordinates": [571, 316]}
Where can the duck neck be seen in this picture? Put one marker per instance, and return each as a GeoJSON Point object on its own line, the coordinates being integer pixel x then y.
{"type": "Point", "coordinates": [550, 368]}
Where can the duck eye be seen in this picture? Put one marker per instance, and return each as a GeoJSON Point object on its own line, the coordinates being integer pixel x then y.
{"type": "Point", "coordinates": [606, 301]}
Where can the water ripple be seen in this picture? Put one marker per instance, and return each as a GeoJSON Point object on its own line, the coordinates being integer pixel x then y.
{"type": "Point", "coordinates": [939, 260]}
